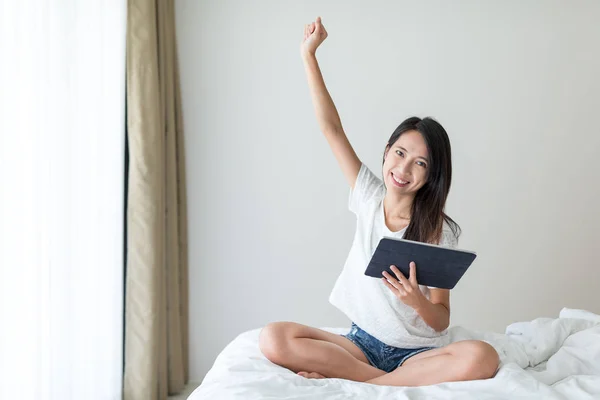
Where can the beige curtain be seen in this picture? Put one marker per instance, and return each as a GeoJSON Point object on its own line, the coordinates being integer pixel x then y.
{"type": "Point", "coordinates": [156, 308]}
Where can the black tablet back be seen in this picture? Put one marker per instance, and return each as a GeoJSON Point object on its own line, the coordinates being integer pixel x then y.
{"type": "Point", "coordinates": [437, 266]}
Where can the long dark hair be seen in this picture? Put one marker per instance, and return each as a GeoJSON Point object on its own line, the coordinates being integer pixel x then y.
{"type": "Point", "coordinates": [428, 216]}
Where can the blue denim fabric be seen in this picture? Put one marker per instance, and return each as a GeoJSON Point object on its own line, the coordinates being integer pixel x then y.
{"type": "Point", "coordinates": [379, 354]}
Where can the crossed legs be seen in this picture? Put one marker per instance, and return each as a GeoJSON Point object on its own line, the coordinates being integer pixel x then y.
{"type": "Point", "coordinates": [303, 348]}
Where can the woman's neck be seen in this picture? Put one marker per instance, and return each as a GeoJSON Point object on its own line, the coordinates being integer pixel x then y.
{"type": "Point", "coordinates": [397, 207]}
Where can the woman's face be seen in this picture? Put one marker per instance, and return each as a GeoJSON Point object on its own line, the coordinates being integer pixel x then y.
{"type": "Point", "coordinates": [407, 160]}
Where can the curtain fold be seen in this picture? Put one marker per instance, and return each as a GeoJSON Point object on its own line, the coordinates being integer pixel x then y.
{"type": "Point", "coordinates": [62, 129]}
{"type": "Point", "coordinates": [156, 341]}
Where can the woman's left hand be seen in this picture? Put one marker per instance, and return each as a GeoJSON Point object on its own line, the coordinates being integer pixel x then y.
{"type": "Point", "coordinates": [407, 290]}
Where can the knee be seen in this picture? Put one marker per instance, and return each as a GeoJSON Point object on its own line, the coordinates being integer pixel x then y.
{"type": "Point", "coordinates": [273, 341]}
{"type": "Point", "coordinates": [480, 360]}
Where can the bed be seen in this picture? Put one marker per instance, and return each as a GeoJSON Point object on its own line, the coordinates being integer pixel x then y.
{"type": "Point", "coordinates": [547, 358]}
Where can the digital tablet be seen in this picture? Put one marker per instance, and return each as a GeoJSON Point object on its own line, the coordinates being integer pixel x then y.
{"type": "Point", "coordinates": [437, 266]}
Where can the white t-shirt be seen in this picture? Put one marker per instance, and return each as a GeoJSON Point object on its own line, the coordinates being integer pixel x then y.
{"type": "Point", "coordinates": [366, 300]}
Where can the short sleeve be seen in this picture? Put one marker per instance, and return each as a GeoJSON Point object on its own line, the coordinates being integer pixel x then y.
{"type": "Point", "coordinates": [366, 188]}
{"type": "Point", "coordinates": [448, 240]}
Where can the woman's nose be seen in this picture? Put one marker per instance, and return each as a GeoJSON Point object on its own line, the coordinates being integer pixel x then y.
{"type": "Point", "coordinates": [404, 167]}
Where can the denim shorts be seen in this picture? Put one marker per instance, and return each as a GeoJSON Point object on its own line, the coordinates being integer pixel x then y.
{"type": "Point", "coordinates": [379, 354]}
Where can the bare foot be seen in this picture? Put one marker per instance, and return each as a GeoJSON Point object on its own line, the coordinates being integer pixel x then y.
{"type": "Point", "coordinates": [311, 375]}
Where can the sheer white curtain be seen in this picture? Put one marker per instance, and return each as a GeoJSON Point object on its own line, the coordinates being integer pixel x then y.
{"type": "Point", "coordinates": [62, 118]}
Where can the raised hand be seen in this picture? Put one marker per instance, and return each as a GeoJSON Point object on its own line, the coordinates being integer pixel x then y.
{"type": "Point", "coordinates": [314, 35]}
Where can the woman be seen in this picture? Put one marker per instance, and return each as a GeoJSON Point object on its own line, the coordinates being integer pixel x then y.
{"type": "Point", "coordinates": [398, 334]}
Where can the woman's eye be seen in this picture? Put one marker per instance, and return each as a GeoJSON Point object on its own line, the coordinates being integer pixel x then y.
{"type": "Point", "coordinates": [420, 163]}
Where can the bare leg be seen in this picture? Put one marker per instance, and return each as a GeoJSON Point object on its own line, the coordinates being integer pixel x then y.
{"type": "Point", "coordinates": [304, 348]}
{"type": "Point", "coordinates": [460, 361]}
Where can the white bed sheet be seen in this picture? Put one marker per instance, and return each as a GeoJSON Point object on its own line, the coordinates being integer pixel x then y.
{"type": "Point", "coordinates": [547, 358]}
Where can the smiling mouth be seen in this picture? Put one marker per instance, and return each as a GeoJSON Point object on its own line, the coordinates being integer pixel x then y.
{"type": "Point", "coordinates": [399, 182]}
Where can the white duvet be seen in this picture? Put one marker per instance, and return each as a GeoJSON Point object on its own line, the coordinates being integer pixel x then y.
{"type": "Point", "coordinates": [547, 358]}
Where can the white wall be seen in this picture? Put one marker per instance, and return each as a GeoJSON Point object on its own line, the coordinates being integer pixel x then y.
{"type": "Point", "coordinates": [516, 86]}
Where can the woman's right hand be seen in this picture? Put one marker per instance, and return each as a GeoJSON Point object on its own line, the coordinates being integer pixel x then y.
{"type": "Point", "coordinates": [314, 35]}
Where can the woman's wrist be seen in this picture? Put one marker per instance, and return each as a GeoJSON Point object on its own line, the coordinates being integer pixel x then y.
{"type": "Point", "coordinates": [307, 55]}
{"type": "Point", "coordinates": [422, 304]}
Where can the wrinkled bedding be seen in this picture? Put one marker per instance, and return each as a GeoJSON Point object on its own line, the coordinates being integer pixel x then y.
{"type": "Point", "coordinates": [547, 358]}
